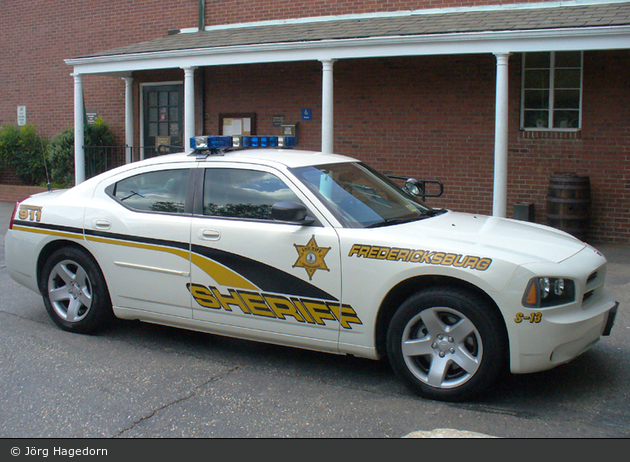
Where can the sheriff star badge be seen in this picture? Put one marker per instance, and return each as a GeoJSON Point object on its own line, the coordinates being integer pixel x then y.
{"type": "Point", "coordinates": [311, 257]}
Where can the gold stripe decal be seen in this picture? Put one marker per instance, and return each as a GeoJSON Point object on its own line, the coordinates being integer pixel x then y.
{"type": "Point", "coordinates": [28, 229]}
{"type": "Point", "coordinates": [179, 252]}
{"type": "Point", "coordinates": [222, 275]}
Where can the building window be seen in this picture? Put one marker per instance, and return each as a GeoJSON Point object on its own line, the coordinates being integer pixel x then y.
{"type": "Point", "coordinates": [552, 91]}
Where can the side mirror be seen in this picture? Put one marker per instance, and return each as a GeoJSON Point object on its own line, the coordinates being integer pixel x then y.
{"type": "Point", "coordinates": [291, 212]}
{"type": "Point", "coordinates": [419, 188]}
{"type": "Point", "coordinates": [414, 187]}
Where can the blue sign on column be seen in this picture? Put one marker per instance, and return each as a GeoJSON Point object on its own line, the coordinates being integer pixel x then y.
{"type": "Point", "coordinates": [307, 114]}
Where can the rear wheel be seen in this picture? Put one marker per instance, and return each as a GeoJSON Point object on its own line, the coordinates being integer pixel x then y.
{"type": "Point", "coordinates": [74, 291]}
{"type": "Point", "coordinates": [446, 344]}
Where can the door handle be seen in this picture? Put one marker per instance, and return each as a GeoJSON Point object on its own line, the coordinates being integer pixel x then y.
{"type": "Point", "coordinates": [101, 223]}
{"type": "Point", "coordinates": [209, 234]}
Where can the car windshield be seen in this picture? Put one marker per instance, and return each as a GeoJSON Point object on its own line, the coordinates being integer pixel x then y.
{"type": "Point", "coordinates": [360, 197]}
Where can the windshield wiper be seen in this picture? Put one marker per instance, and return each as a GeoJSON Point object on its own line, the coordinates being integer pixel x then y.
{"type": "Point", "coordinates": [133, 193]}
{"type": "Point", "coordinates": [396, 221]}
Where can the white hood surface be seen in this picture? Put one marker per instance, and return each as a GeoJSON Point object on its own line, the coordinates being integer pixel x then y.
{"type": "Point", "coordinates": [511, 240]}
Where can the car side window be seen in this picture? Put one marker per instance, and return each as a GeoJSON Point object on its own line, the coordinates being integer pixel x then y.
{"type": "Point", "coordinates": [237, 193]}
{"type": "Point", "coordinates": [161, 191]}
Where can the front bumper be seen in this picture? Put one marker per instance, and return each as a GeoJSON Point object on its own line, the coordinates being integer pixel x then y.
{"type": "Point", "coordinates": [557, 341]}
{"type": "Point", "coordinates": [570, 350]}
{"type": "Point", "coordinates": [542, 338]}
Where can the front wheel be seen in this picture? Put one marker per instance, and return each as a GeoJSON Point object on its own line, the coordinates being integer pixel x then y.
{"type": "Point", "coordinates": [446, 344]}
{"type": "Point", "coordinates": [74, 291]}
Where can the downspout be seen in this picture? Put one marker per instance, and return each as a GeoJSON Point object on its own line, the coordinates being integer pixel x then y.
{"type": "Point", "coordinates": [202, 15]}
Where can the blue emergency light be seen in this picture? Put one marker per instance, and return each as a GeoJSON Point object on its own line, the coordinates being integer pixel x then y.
{"type": "Point", "coordinates": [203, 143]}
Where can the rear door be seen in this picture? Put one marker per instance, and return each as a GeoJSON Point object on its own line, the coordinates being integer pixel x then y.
{"type": "Point", "coordinates": [139, 229]}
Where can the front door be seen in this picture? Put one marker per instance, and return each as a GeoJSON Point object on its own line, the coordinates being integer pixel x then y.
{"type": "Point", "coordinates": [163, 107]}
{"type": "Point", "coordinates": [256, 275]}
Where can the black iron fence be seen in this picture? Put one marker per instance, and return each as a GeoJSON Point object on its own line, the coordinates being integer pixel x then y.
{"type": "Point", "coordinates": [99, 159]}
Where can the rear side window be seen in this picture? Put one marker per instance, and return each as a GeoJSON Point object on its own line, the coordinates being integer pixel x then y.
{"type": "Point", "coordinates": [246, 194]}
{"type": "Point", "coordinates": [162, 191]}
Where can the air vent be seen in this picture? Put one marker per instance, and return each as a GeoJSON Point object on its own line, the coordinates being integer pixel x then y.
{"type": "Point", "coordinates": [587, 295]}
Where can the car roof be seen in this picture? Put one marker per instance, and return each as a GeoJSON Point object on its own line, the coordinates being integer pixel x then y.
{"type": "Point", "coordinates": [274, 157]}
{"type": "Point", "coordinates": [290, 158]}
{"type": "Point", "coordinates": [278, 158]}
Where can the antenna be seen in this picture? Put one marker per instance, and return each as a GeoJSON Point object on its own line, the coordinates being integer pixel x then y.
{"type": "Point", "coordinates": [48, 185]}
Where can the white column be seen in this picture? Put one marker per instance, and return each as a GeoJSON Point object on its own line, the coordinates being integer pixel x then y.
{"type": "Point", "coordinates": [128, 119]}
{"type": "Point", "coordinates": [189, 106]}
{"type": "Point", "coordinates": [499, 205]}
{"type": "Point", "coordinates": [79, 130]}
{"type": "Point", "coordinates": [327, 106]}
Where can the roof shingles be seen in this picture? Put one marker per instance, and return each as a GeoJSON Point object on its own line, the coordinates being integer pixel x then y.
{"type": "Point", "coordinates": [596, 15]}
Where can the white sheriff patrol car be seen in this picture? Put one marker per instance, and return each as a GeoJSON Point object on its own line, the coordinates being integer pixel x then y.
{"type": "Point", "coordinates": [314, 251]}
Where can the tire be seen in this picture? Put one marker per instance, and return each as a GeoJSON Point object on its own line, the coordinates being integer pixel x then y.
{"type": "Point", "coordinates": [74, 291]}
{"type": "Point", "coordinates": [447, 344]}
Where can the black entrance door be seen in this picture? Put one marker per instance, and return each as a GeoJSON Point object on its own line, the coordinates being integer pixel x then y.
{"type": "Point", "coordinates": [163, 119]}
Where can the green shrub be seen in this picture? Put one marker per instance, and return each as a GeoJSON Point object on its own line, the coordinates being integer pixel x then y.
{"type": "Point", "coordinates": [61, 158]}
{"type": "Point", "coordinates": [9, 143]}
{"type": "Point", "coordinates": [61, 150]}
{"type": "Point", "coordinates": [22, 149]}
{"type": "Point", "coordinates": [98, 134]}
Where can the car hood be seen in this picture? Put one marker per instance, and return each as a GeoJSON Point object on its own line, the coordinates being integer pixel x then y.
{"type": "Point", "coordinates": [511, 240]}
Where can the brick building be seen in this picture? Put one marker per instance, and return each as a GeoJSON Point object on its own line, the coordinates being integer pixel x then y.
{"type": "Point", "coordinates": [490, 97]}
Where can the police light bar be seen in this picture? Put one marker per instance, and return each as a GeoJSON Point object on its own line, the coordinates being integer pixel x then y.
{"type": "Point", "coordinates": [202, 143]}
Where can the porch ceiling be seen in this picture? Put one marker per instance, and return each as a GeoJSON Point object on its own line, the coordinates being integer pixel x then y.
{"type": "Point", "coordinates": [532, 27]}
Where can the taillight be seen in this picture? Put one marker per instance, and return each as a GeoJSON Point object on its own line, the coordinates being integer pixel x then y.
{"type": "Point", "coordinates": [15, 209]}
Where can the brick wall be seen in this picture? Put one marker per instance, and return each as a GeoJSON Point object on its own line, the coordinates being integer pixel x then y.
{"type": "Point", "coordinates": [38, 35]}
{"type": "Point", "coordinates": [239, 11]}
{"type": "Point", "coordinates": [13, 193]}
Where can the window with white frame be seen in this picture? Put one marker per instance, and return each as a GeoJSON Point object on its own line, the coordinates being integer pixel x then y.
{"type": "Point", "coordinates": [552, 91]}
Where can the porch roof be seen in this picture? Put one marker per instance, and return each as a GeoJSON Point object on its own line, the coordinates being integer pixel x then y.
{"type": "Point", "coordinates": [513, 28]}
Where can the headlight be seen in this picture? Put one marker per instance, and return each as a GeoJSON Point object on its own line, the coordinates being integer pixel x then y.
{"type": "Point", "coordinates": [545, 292]}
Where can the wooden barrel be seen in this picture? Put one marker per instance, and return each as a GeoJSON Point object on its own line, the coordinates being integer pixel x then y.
{"type": "Point", "coordinates": [569, 203]}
